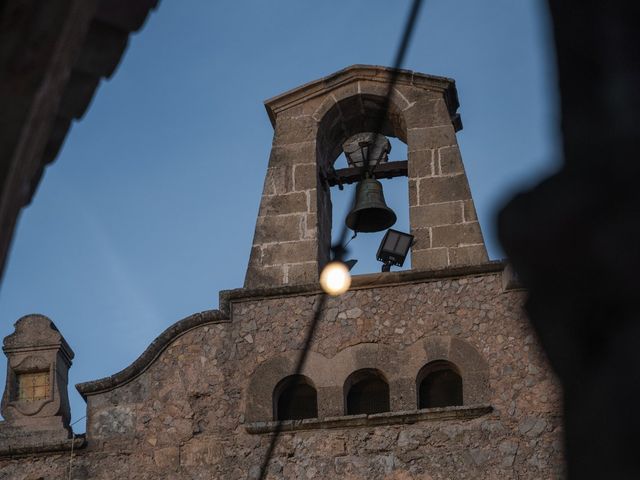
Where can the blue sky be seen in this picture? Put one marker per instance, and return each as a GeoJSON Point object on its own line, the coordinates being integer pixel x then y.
{"type": "Point", "coordinates": [149, 209]}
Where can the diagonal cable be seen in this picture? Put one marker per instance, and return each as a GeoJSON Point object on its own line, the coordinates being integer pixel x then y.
{"type": "Point", "coordinates": [339, 249]}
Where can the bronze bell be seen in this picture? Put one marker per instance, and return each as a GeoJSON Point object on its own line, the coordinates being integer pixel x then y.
{"type": "Point", "coordinates": [370, 212]}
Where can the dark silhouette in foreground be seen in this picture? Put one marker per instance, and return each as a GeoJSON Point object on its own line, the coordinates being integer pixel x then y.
{"type": "Point", "coordinates": [574, 240]}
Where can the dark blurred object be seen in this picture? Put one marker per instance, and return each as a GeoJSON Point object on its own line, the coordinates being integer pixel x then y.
{"type": "Point", "coordinates": [53, 55]}
{"type": "Point", "coordinates": [574, 240]}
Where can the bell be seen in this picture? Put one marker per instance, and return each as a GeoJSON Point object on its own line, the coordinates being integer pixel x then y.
{"type": "Point", "coordinates": [370, 212]}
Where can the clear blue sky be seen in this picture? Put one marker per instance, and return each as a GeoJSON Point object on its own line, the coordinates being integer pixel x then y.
{"type": "Point", "coordinates": [149, 209]}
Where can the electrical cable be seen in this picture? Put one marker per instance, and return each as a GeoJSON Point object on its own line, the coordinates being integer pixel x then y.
{"type": "Point", "coordinates": [340, 248]}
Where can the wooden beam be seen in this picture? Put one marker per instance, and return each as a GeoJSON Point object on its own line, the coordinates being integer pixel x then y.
{"type": "Point", "coordinates": [347, 176]}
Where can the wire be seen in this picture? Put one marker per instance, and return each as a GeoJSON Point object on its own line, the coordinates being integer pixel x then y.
{"type": "Point", "coordinates": [73, 441]}
{"type": "Point", "coordinates": [299, 367]}
{"type": "Point", "coordinates": [340, 248]}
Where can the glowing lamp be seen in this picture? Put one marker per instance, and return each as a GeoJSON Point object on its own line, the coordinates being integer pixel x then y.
{"type": "Point", "coordinates": [335, 278]}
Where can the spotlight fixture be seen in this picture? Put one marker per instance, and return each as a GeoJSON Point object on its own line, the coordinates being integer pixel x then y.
{"type": "Point", "coordinates": [394, 249]}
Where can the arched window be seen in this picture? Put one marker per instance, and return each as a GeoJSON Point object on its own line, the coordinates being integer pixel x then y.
{"type": "Point", "coordinates": [366, 391]}
{"type": "Point", "coordinates": [295, 398]}
{"type": "Point", "coordinates": [439, 385]}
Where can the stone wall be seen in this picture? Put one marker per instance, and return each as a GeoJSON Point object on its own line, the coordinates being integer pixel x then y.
{"type": "Point", "coordinates": [188, 407]}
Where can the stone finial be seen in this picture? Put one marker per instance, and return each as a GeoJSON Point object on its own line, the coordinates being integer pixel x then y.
{"type": "Point", "coordinates": [311, 123]}
{"type": "Point", "coordinates": [35, 404]}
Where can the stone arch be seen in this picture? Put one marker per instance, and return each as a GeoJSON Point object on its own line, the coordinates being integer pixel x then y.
{"type": "Point", "coordinates": [471, 365]}
{"type": "Point", "coordinates": [328, 375]}
{"type": "Point", "coordinates": [366, 391]}
{"type": "Point", "coordinates": [295, 397]}
{"type": "Point", "coordinates": [355, 109]}
{"type": "Point", "coordinates": [362, 356]}
{"type": "Point", "coordinates": [439, 384]}
{"type": "Point", "coordinates": [269, 375]}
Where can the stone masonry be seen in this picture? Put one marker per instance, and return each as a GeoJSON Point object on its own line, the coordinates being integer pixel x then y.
{"type": "Point", "coordinates": [293, 231]}
{"type": "Point", "coordinates": [199, 402]}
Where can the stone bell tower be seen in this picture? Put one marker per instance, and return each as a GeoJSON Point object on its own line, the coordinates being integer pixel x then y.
{"type": "Point", "coordinates": [293, 231]}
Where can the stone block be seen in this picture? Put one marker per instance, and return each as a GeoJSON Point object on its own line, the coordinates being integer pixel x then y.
{"type": "Point", "coordinates": [443, 189]}
{"type": "Point", "coordinates": [260, 276]}
{"type": "Point", "coordinates": [436, 214]}
{"type": "Point", "coordinates": [413, 192]}
{"type": "Point", "coordinates": [437, 348]}
{"type": "Point", "coordinates": [289, 155]}
{"type": "Point", "coordinates": [421, 163]}
{"type": "Point", "coordinates": [377, 89]}
{"type": "Point", "coordinates": [312, 200]}
{"type": "Point", "coordinates": [430, 138]}
{"type": "Point", "coordinates": [421, 238]}
{"type": "Point", "coordinates": [456, 235]}
{"type": "Point", "coordinates": [201, 451]}
{"type": "Point", "coordinates": [290, 252]}
{"type": "Point", "coordinates": [476, 387]}
{"type": "Point", "coordinates": [302, 273]}
{"type": "Point", "coordinates": [279, 180]}
{"type": "Point", "coordinates": [305, 176]}
{"type": "Point", "coordinates": [279, 228]}
{"type": "Point", "coordinates": [413, 94]}
{"type": "Point", "coordinates": [402, 394]}
{"type": "Point", "coordinates": [469, 211]}
{"type": "Point", "coordinates": [303, 109]}
{"type": "Point", "coordinates": [330, 402]}
{"type": "Point", "coordinates": [167, 457]}
{"type": "Point", "coordinates": [283, 204]}
{"type": "Point", "coordinates": [450, 161]}
{"type": "Point", "coordinates": [255, 258]}
{"type": "Point", "coordinates": [295, 130]}
{"type": "Point", "coordinates": [469, 255]}
{"type": "Point", "coordinates": [427, 113]}
{"type": "Point", "coordinates": [310, 225]}
{"type": "Point", "coordinates": [429, 259]}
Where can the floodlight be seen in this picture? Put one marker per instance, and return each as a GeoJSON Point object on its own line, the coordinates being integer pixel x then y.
{"type": "Point", "coordinates": [394, 249]}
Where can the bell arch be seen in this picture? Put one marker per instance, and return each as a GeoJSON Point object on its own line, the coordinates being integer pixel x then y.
{"type": "Point", "coordinates": [436, 353]}
{"type": "Point", "coordinates": [293, 230]}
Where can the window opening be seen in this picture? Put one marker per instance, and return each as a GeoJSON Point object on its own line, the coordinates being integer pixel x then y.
{"type": "Point", "coordinates": [296, 399]}
{"type": "Point", "coordinates": [368, 393]}
{"type": "Point", "coordinates": [33, 386]}
{"type": "Point", "coordinates": [440, 385]}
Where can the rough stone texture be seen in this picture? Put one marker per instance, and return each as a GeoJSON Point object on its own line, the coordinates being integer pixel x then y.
{"type": "Point", "coordinates": [187, 408]}
{"type": "Point", "coordinates": [310, 125]}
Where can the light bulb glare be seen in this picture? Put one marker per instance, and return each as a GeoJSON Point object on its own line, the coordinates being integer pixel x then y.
{"type": "Point", "coordinates": [335, 279]}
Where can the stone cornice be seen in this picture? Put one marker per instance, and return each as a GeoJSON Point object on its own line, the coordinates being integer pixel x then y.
{"type": "Point", "coordinates": [15, 445]}
{"type": "Point", "coordinates": [152, 352]}
{"type": "Point", "coordinates": [466, 412]}
{"type": "Point", "coordinates": [353, 73]}
{"type": "Point", "coordinates": [367, 281]}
